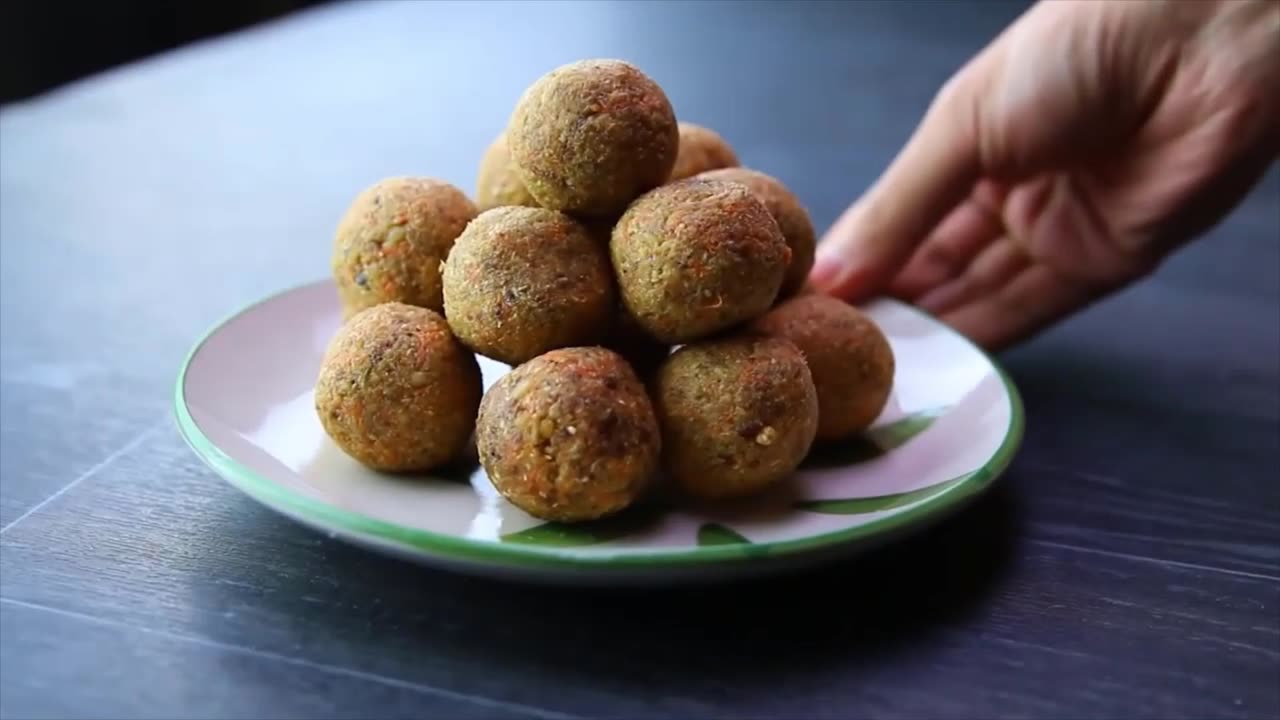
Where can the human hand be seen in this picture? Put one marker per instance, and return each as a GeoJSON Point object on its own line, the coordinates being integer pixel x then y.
{"type": "Point", "coordinates": [1065, 161]}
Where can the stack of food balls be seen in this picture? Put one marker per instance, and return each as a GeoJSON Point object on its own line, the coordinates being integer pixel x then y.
{"type": "Point", "coordinates": [604, 235]}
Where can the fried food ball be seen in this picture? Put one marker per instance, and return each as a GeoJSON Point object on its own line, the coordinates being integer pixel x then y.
{"type": "Point", "coordinates": [792, 217]}
{"type": "Point", "coordinates": [696, 257]}
{"type": "Point", "coordinates": [738, 414]}
{"type": "Point", "coordinates": [391, 241]}
{"type": "Point", "coordinates": [591, 136]}
{"type": "Point", "coordinates": [497, 184]}
{"type": "Point", "coordinates": [397, 391]}
{"type": "Point", "coordinates": [701, 149]}
{"type": "Point", "coordinates": [570, 435]}
{"type": "Point", "coordinates": [850, 358]}
{"type": "Point", "coordinates": [521, 281]}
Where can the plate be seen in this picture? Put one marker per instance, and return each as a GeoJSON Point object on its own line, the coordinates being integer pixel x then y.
{"type": "Point", "coordinates": [244, 405]}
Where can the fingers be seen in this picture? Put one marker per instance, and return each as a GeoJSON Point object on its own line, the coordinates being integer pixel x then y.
{"type": "Point", "coordinates": [951, 248]}
{"type": "Point", "coordinates": [1031, 301]}
{"type": "Point", "coordinates": [992, 270]}
{"type": "Point", "coordinates": [933, 173]}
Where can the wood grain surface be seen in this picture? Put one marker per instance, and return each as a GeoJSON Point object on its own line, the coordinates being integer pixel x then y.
{"type": "Point", "coordinates": [1128, 566]}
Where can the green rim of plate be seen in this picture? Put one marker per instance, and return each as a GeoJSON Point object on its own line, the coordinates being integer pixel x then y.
{"type": "Point", "coordinates": [450, 547]}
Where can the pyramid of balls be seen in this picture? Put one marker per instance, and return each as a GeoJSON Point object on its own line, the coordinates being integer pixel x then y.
{"type": "Point", "coordinates": [646, 290]}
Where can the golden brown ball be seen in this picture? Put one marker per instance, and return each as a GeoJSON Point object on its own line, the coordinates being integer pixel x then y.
{"type": "Point", "coordinates": [569, 436]}
{"type": "Point", "coordinates": [392, 240]}
{"type": "Point", "coordinates": [521, 281]}
{"type": "Point", "coordinates": [850, 358]}
{"type": "Point", "coordinates": [738, 414]}
{"type": "Point", "coordinates": [791, 215]}
{"type": "Point", "coordinates": [696, 257]}
{"type": "Point", "coordinates": [589, 137]}
{"type": "Point", "coordinates": [397, 391]}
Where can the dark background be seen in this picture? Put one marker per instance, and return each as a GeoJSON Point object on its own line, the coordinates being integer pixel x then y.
{"type": "Point", "coordinates": [44, 44]}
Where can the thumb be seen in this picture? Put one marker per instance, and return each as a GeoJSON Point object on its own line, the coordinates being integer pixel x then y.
{"type": "Point", "coordinates": [933, 173]}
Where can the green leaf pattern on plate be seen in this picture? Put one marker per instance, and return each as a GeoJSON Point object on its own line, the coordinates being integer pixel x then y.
{"type": "Point", "coordinates": [863, 505]}
{"type": "Point", "coordinates": [896, 434]}
{"type": "Point", "coordinates": [717, 534]}
{"type": "Point", "coordinates": [873, 443]}
{"type": "Point", "coordinates": [629, 522]}
{"type": "Point", "coordinates": [557, 535]}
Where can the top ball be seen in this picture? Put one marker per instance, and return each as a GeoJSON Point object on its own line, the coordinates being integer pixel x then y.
{"type": "Point", "coordinates": [591, 136]}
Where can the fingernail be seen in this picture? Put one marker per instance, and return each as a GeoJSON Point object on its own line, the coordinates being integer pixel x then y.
{"type": "Point", "coordinates": [827, 269]}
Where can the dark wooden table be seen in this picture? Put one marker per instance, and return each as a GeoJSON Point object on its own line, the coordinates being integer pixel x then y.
{"type": "Point", "coordinates": [1127, 566]}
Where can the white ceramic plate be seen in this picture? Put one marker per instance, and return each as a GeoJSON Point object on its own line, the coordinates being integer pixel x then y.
{"type": "Point", "coordinates": [244, 404]}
